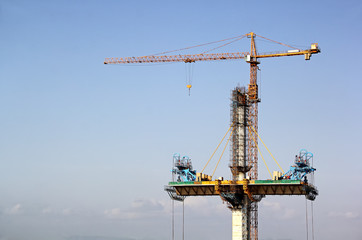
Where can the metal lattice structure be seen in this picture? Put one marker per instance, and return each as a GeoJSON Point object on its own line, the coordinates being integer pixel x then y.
{"type": "Point", "coordinates": [251, 100]}
{"type": "Point", "coordinates": [240, 164]}
{"type": "Point", "coordinates": [253, 121]}
{"type": "Point", "coordinates": [239, 112]}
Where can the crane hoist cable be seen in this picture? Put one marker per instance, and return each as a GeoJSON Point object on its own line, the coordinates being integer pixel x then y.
{"type": "Point", "coordinates": [256, 144]}
{"type": "Point", "coordinates": [232, 130]}
{"type": "Point", "coordinates": [189, 68]}
{"type": "Point", "coordinates": [267, 149]}
{"type": "Point", "coordinates": [217, 147]}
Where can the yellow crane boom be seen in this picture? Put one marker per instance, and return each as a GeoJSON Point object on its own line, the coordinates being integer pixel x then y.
{"type": "Point", "coordinates": [188, 58]}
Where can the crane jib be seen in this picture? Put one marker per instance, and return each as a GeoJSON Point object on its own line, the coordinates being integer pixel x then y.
{"type": "Point", "coordinates": [189, 58]}
{"type": "Point", "coordinates": [177, 58]}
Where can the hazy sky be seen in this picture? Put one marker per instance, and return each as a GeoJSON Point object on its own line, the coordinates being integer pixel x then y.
{"type": "Point", "coordinates": [86, 148]}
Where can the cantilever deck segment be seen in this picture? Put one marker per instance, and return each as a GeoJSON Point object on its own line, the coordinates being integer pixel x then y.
{"type": "Point", "coordinates": [256, 187]}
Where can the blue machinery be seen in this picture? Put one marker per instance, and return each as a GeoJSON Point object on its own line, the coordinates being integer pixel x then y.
{"type": "Point", "coordinates": [182, 168]}
{"type": "Point", "coordinates": [301, 167]}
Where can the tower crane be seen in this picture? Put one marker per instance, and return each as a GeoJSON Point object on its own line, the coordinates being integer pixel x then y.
{"type": "Point", "coordinates": [250, 171]}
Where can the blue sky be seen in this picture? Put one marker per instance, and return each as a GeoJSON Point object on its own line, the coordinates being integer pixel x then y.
{"type": "Point", "coordinates": [86, 148]}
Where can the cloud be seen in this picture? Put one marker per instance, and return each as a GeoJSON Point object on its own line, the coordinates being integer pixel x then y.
{"type": "Point", "coordinates": [16, 209]}
{"type": "Point", "coordinates": [196, 203]}
{"type": "Point", "coordinates": [149, 205]}
{"type": "Point", "coordinates": [67, 212]}
{"type": "Point", "coordinates": [347, 215]}
{"type": "Point", "coordinates": [57, 212]}
{"type": "Point", "coordinates": [203, 206]}
{"type": "Point", "coordinates": [282, 212]}
{"type": "Point", "coordinates": [115, 213]}
{"type": "Point", "coordinates": [289, 213]}
{"type": "Point", "coordinates": [96, 238]}
{"type": "Point", "coordinates": [139, 209]}
{"type": "Point", "coordinates": [47, 210]}
{"type": "Point", "coordinates": [274, 206]}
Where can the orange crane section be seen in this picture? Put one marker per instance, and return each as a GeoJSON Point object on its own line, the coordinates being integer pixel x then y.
{"type": "Point", "coordinates": [188, 58]}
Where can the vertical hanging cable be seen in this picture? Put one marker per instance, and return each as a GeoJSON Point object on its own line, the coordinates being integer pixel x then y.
{"type": "Point", "coordinates": [183, 219]}
{"type": "Point", "coordinates": [260, 85]}
{"type": "Point", "coordinates": [172, 205]}
{"type": "Point", "coordinates": [173, 220]}
{"type": "Point", "coordinates": [312, 175]}
{"type": "Point", "coordinates": [306, 216]}
{"type": "Point", "coordinates": [311, 205]}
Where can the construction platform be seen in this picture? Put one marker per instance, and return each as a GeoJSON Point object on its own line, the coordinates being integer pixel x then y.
{"type": "Point", "coordinates": [252, 187]}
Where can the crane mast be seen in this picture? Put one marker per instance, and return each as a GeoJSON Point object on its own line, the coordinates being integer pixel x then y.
{"type": "Point", "coordinates": [253, 121]}
{"type": "Point", "coordinates": [244, 163]}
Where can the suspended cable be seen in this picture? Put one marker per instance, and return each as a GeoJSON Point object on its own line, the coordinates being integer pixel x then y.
{"type": "Point", "coordinates": [311, 204]}
{"type": "Point", "coordinates": [173, 219]}
{"type": "Point", "coordinates": [267, 149]}
{"type": "Point", "coordinates": [294, 45]}
{"type": "Point", "coordinates": [216, 148]}
{"type": "Point", "coordinates": [276, 42]}
{"type": "Point", "coordinates": [224, 45]}
{"type": "Point", "coordinates": [260, 83]}
{"type": "Point", "coordinates": [222, 152]}
{"type": "Point", "coordinates": [200, 45]}
{"type": "Point", "coordinates": [306, 216]}
{"type": "Point", "coordinates": [260, 153]}
{"type": "Point", "coordinates": [189, 68]}
{"type": "Point", "coordinates": [146, 65]}
{"type": "Point", "coordinates": [312, 176]}
{"type": "Point", "coordinates": [183, 219]}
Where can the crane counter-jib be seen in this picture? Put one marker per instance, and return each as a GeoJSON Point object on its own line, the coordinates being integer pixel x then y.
{"type": "Point", "coordinates": [306, 53]}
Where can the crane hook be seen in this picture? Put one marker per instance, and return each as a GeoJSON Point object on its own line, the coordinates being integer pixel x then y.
{"type": "Point", "coordinates": [189, 87]}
